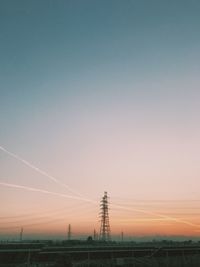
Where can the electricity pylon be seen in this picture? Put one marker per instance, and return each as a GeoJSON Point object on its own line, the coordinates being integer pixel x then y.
{"type": "Point", "coordinates": [105, 225]}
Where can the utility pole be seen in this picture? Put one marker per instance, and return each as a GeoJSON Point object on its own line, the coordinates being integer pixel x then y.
{"type": "Point", "coordinates": [95, 235]}
{"type": "Point", "coordinates": [21, 234]}
{"type": "Point", "coordinates": [122, 236]}
{"type": "Point", "coordinates": [69, 232]}
{"type": "Point", "coordinates": [105, 225]}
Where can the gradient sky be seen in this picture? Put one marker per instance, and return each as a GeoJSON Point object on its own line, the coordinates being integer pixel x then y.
{"type": "Point", "coordinates": [102, 95]}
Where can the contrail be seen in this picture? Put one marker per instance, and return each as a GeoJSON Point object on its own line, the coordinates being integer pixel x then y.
{"type": "Point", "coordinates": [169, 218]}
{"type": "Point", "coordinates": [164, 217]}
{"type": "Point", "coordinates": [30, 165]}
{"type": "Point", "coordinates": [81, 197]}
{"type": "Point", "coordinates": [44, 191]}
{"type": "Point", "coordinates": [143, 220]}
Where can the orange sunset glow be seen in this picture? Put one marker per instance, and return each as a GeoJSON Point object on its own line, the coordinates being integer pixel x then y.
{"type": "Point", "coordinates": [99, 114]}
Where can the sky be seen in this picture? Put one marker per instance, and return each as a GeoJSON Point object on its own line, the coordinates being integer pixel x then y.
{"type": "Point", "coordinates": [99, 96]}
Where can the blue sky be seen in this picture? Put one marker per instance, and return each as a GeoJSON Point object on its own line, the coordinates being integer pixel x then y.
{"type": "Point", "coordinates": [103, 95]}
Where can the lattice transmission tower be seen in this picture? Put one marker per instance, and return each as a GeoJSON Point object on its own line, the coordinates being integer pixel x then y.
{"type": "Point", "coordinates": [105, 225]}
